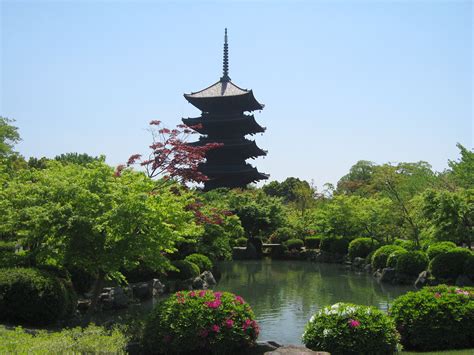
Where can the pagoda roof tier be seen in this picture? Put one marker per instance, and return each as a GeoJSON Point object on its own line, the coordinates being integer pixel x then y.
{"type": "Point", "coordinates": [241, 146]}
{"type": "Point", "coordinates": [247, 170]}
{"type": "Point", "coordinates": [221, 125]}
{"type": "Point", "coordinates": [224, 96]}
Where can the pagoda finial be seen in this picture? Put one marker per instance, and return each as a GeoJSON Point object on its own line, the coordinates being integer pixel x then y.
{"type": "Point", "coordinates": [225, 76]}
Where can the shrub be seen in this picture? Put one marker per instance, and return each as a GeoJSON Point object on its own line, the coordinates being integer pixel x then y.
{"type": "Point", "coordinates": [393, 258]}
{"type": "Point", "coordinates": [294, 244]}
{"type": "Point", "coordinates": [411, 263]}
{"type": "Point", "coordinates": [202, 261]}
{"type": "Point", "coordinates": [8, 256]}
{"type": "Point", "coordinates": [335, 245]}
{"type": "Point", "coordinates": [241, 242]}
{"type": "Point", "coordinates": [469, 267]}
{"type": "Point", "coordinates": [186, 270]}
{"type": "Point", "coordinates": [380, 256]}
{"type": "Point", "coordinates": [439, 248]}
{"type": "Point", "coordinates": [345, 328]}
{"type": "Point", "coordinates": [283, 234]}
{"type": "Point", "coordinates": [34, 296]}
{"type": "Point", "coordinates": [312, 242]}
{"type": "Point", "coordinates": [90, 340]}
{"type": "Point", "coordinates": [189, 322]}
{"type": "Point", "coordinates": [361, 247]}
{"type": "Point", "coordinates": [449, 265]}
{"type": "Point", "coordinates": [405, 244]}
{"type": "Point", "coordinates": [435, 318]}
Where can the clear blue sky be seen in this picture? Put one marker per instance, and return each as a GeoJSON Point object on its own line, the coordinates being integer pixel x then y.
{"type": "Point", "coordinates": [341, 80]}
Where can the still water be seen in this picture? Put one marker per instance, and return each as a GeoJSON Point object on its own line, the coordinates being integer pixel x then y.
{"type": "Point", "coordinates": [285, 294]}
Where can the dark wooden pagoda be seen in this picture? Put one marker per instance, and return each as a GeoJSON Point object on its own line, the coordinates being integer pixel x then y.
{"type": "Point", "coordinates": [225, 119]}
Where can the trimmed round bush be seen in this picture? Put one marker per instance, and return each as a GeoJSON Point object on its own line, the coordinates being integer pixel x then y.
{"type": "Point", "coordinates": [294, 244]}
{"type": "Point", "coordinates": [283, 234]}
{"type": "Point", "coordinates": [468, 269]}
{"type": "Point", "coordinates": [449, 265]}
{"type": "Point", "coordinates": [435, 318]}
{"type": "Point", "coordinates": [35, 297]}
{"type": "Point", "coordinates": [405, 244]}
{"type": "Point", "coordinates": [241, 242]}
{"type": "Point", "coordinates": [346, 328]}
{"type": "Point", "coordinates": [312, 242]}
{"type": "Point", "coordinates": [202, 261]}
{"type": "Point", "coordinates": [411, 263]}
{"type": "Point", "coordinates": [186, 270]}
{"type": "Point", "coordinates": [200, 321]}
{"type": "Point", "coordinates": [361, 247]}
{"type": "Point", "coordinates": [438, 248]}
{"type": "Point", "coordinates": [380, 256]}
{"type": "Point", "coordinates": [335, 245]}
{"type": "Point", "coordinates": [393, 258]}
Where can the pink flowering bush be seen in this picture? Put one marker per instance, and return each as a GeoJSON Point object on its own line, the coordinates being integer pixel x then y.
{"type": "Point", "coordinates": [345, 328]}
{"type": "Point", "coordinates": [436, 318]}
{"type": "Point", "coordinates": [200, 322]}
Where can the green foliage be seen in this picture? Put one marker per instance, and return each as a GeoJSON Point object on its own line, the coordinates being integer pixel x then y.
{"type": "Point", "coordinates": [185, 270]}
{"type": "Point", "coordinates": [241, 242]}
{"type": "Point", "coordinates": [405, 244]}
{"type": "Point", "coordinates": [380, 256]}
{"type": "Point", "coordinates": [361, 247]}
{"type": "Point", "coordinates": [289, 190]}
{"type": "Point", "coordinates": [463, 170]}
{"type": "Point", "coordinates": [282, 234]}
{"type": "Point", "coordinates": [449, 214]}
{"type": "Point", "coordinates": [90, 340]}
{"type": "Point", "coordinates": [411, 263]}
{"type": "Point", "coordinates": [294, 244]}
{"type": "Point", "coordinates": [393, 258]}
{"type": "Point", "coordinates": [435, 318]}
{"type": "Point", "coordinates": [358, 180]}
{"type": "Point", "coordinates": [335, 245]}
{"type": "Point", "coordinates": [76, 158]}
{"type": "Point", "coordinates": [439, 248]}
{"type": "Point", "coordinates": [468, 269]}
{"type": "Point", "coordinates": [9, 136]}
{"type": "Point", "coordinates": [32, 296]}
{"type": "Point", "coordinates": [200, 321]}
{"type": "Point", "coordinates": [449, 265]}
{"type": "Point", "coordinates": [259, 214]}
{"type": "Point", "coordinates": [346, 328]}
{"type": "Point", "coordinates": [82, 280]}
{"type": "Point", "coordinates": [312, 242]}
{"type": "Point", "coordinates": [202, 261]}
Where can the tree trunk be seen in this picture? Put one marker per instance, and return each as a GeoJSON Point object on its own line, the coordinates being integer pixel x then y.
{"type": "Point", "coordinates": [98, 286]}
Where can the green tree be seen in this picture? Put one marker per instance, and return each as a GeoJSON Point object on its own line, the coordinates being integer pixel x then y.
{"type": "Point", "coordinates": [463, 170]}
{"type": "Point", "coordinates": [358, 180]}
{"type": "Point", "coordinates": [9, 136]}
{"type": "Point", "coordinates": [76, 158]}
{"type": "Point", "coordinates": [93, 219]}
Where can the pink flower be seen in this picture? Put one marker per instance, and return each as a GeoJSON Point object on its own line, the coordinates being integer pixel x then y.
{"type": "Point", "coordinates": [239, 299]}
{"type": "Point", "coordinates": [462, 292]}
{"type": "Point", "coordinates": [214, 304]}
{"type": "Point", "coordinates": [203, 333]}
{"type": "Point", "coordinates": [247, 324]}
{"type": "Point", "coordinates": [202, 293]}
{"type": "Point", "coordinates": [215, 328]}
{"type": "Point", "coordinates": [353, 323]}
{"type": "Point", "coordinates": [437, 295]}
{"type": "Point", "coordinates": [229, 323]}
{"type": "Point", "coordinates": [218, 295]}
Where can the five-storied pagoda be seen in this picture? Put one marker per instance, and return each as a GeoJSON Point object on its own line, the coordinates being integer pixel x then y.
{"type": "Point", "coordinates": [223, 120]}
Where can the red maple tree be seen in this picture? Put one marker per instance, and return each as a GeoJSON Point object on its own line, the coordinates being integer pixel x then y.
{"type": "Point", "coordinates": [171, 156]}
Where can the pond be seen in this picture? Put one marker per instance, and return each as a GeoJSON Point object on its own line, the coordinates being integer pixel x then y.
{"type": "Point", "coordinates": [284, 294]}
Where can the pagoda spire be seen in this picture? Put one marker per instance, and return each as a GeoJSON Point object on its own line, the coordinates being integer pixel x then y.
{"type": "Point", "coordinates": [225, 69]}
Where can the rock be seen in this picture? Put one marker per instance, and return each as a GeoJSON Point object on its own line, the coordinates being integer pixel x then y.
{"type": "Point", "coordinates": [142, 290]}
{"type": "Point", "coordinates": [388, 275]}
{"type": "Point", "coordinates": [295, 350]}
{"type": "Point", "coordinates": [208, 278]}
{"type": "Point", "coordinates": [158, 287]}
{"type": "Point", "coordinates": [464, 280]}
{"type": "Point", "coordinates": [114, 298]}
{"type": "Point", "coordinates": [200, 284]}
{"type": "Point", "coordinates": [422, 279]}
{"type": "Point", "coordinates": [83, 305]}
{"type": "Point", "coordinates": [368, 268]}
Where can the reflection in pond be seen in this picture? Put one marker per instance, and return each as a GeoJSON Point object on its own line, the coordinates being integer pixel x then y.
{"type": "Point", "coordinates": [284, 294]}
